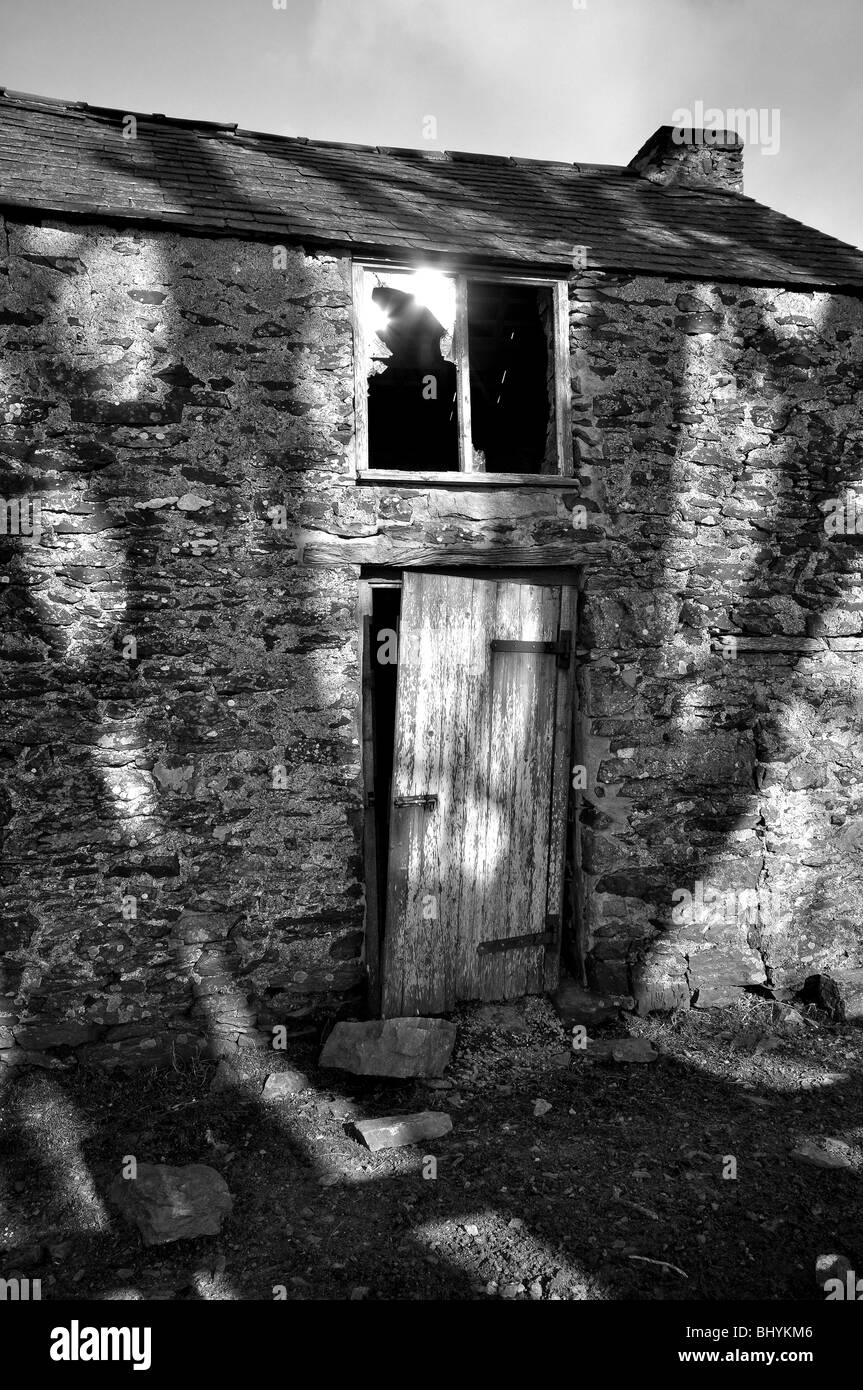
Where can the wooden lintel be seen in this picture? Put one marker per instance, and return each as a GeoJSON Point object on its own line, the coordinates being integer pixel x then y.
{"type": "Point", "coordinates": [332, 553]}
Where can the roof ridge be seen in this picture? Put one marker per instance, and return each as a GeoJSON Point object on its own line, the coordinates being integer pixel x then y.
{"type": "Point", "coordinates": [64, 107]}
{"type": "Point", "coordinates": [31, 101]}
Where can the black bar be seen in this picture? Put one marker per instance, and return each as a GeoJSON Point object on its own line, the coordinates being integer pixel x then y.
{"type": "Point", "coordinates": [562, 649]}
{"type": "Point", "coordinates": [513, 943]}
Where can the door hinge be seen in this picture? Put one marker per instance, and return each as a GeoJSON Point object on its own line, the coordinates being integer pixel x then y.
{"type": "Point", "coordinates": [515, 943]}
{"type": "Point", "coordinates": [562, 648]}
{"type": "Point", "coordinates": [425, 799]}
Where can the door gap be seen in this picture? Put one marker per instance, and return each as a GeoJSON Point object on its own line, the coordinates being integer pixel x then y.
{"type": "Point", "coordinates": [386, 615]}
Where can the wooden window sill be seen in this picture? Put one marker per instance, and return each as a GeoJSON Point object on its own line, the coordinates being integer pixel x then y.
{"type": "Point", "coordinates": [388, 477]}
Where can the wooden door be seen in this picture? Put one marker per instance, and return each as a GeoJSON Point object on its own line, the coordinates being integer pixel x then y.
{"type": "Point", "coordinates": [479, 796]}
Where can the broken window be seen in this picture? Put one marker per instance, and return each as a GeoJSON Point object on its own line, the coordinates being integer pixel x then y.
{"type": "Point", "coordinates": [458, 373]}
{"type": "Point", "coordinates": [512, 383]}
{"type": "Point", "coordinates": [412, 379]}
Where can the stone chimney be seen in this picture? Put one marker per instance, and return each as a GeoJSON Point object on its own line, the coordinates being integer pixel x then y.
{"type": "Point", "coordinates": [684, 154]}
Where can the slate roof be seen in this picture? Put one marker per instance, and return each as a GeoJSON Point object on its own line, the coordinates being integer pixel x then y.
{"type": "Point", "coordinates": [70, 158]}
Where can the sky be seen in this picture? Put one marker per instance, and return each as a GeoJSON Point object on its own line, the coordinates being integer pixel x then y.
{"type": "Point", "coordinates": [577, 80]}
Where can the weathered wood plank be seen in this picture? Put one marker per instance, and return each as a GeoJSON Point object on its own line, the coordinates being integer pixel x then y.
{"type": "Point", "coordinates": [446, 478]}
{"type": "Point", "coordinates": [361, 405]}
{"type": "Point", "coordinates": [563, 724]}
{"type": "Point", "coordinates": [567, 575]}
{"type": "Point", "coordinates": [370, 849]}
{"type": "Point", "coordinates": [518, 792]}
{"type": "Point", "coordinates": [460, 351]}
{"type": "Point", "coordinates": [419, 943]}
{"type": "Point", "coordinates": [387, 551]}
{"type": "Point", "coordinates": [563, 388]}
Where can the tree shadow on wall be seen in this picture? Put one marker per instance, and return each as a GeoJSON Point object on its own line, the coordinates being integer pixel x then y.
{"type": "Point", "coordinates": [724, 729]}
{"type": "Point", "coordinates": [104, 726]}
{"type": "Point", "coordinates": [686, 220]}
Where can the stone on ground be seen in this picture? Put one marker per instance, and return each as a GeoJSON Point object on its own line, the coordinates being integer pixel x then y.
{"type": "Point", "coordinates": [831, 1267]}
{"type": "Point", "coordinates": [840, 993]}
{"type": "Point", "coordinates": [506, 1017]}
{"type": "Point", "coordinates": [577, 1005]}
{"type": "Point", "coordinates": [787, 1018]}
{"type": "Point", "coordinates": [284, 1083]}
{"type": "Point", "coordinates": [226, 1077]}
{"type": "Point", "coordinates": [394, 1131]}
{"type": "Point", "coordinates": [168, 1203]}
{"type": "Point", "coordinates": [391, 1047]}
{"type": "Point", "coordinates": [825, 1153]}
{"type": "Point", "coordinates": [618, 1050]}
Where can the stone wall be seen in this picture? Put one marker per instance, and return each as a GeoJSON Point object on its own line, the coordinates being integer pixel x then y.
{"type": "Point", "coordinates": [181, 794]}
{"type": "Point", "coordinates": [723, 692]}
{"type": "Point", "coordinates": [180, 812]}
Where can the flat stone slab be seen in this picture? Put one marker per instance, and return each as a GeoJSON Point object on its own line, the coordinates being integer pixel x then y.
{"type": "Point", "coordinates": [169, 1204]}
{"type": "Point", "coordinates": [617, 1050]}
{"type": "Point", "coordinates": [391, 1047]}
{"type": "Point", "coordinates": [395, 1131]}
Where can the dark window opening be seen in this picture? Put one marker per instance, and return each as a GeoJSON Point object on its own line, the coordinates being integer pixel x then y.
{"type": "Point", "coordinates": [412, 384]}
{"type": "Point", "coordinates": [386, 609]}
{"type": "Point", "coordinates": [512, 386]}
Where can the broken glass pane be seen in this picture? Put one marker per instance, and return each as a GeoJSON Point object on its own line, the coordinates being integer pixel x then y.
{"type": "Point", "coordinates": [412, 383]}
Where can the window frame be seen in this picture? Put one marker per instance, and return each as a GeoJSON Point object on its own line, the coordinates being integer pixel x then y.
{"type": "Point", "coordinates": [466, 475]}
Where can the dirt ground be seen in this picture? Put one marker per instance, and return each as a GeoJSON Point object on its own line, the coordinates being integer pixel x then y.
{"type": "Point", "coordinates": [615, 1191]}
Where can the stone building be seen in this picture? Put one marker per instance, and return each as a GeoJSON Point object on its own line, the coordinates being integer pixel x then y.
{"type": "Point", "coordinates": [419, 569]}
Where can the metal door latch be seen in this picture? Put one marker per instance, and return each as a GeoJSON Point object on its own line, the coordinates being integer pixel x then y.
{"type": "Point", "coordinates": [425, 799]}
